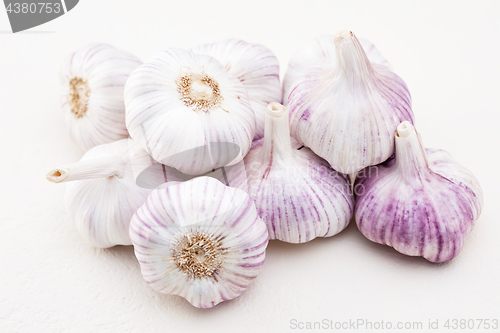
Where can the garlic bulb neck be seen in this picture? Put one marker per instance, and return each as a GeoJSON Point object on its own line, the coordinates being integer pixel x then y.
{"type": "Point", "coordinates": [277, 144]}
{"type": "Point", "coordinates": [410, 156]}
{"type": "Point", "coordinates": [101, 167]}
{"type": "Point", "coordinates": [199, 92]}
{"type": "Point", "coordinates": [351, 60]}
{"type": "Point", "coordinates": [79, 92]}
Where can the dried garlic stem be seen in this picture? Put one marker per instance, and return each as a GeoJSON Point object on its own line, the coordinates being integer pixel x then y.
{"type": "Point", "coordinates": [351, 59]}
{"type": "Point", "coordinates": [405, 129]}
{"type": "Point", "coordinates": [410, 155]}
{"type": "Point", "coordinates": [277, 143]}
{"type": "Point", "coordinates": [88, 169]}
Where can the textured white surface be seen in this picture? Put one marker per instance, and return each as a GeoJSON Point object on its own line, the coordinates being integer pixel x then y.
{"type": "Point", "coordinates": [447, 52]}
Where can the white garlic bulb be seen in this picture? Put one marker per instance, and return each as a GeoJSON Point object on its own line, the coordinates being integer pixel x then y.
{"type": "Point", "coordinates": [93, 80]}
{"type": "Point", "coordinates": [255, 66]}
{"type": "Point", "coordinates": [102, 195]}
{"type": "Point", "coordinates": [188, 112]}
{"type": "Point", "coordinates": [347, 111]}
{"type": "Point", "coordinates": [297, 194]}
{"type": "Point", "coordinates": [422, 203]}
{"type": "Point", "coordinates": [200, 240]}
{"type": "Point", "coordinates": [320, 50]}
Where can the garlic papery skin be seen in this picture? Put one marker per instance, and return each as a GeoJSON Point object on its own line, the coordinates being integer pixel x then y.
{"type": "Point", "coordinates": [320, 50]}
{"type": "Point", "coordinates": [200, 240]}
{"type": "Point", "coordinates": [347, 111]}
{"type": "Point", "coordinates": [422, 203]}
{"type": "Point", "coordinates": [297, 194]}
{"type": "Point", "coordinates": [102, 194]}
{"type": "Point", "coordinates": [255, 66]}
{"type": "Point", "coordinates": [188, 112]}
{"type": "Point", "coordinates": [93, 81]}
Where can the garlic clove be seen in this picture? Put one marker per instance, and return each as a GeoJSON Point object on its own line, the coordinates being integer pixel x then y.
{"type": "Point", "coordinates": [102, 194]}
{"type": "Point", "coordinates": [297, 194]}
{"type": "Point", "coordinates": [317, 51]}
{"type": "Point", "coordinates": [347, 111]}
{"type": "Point", "coordinates": [181, 104]}
{"type": "Point", "coordinates": [422, 203]}
{"type": "Point", "coordinates": [255, 66]}
{"type": "Point", "coordinates": [200, 240]}
{"type": "Point", "coordinates": [93, 81]}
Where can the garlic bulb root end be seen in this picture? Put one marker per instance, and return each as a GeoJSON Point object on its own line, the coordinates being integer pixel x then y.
{"type": "Point", "coordinates": [79, 96]}
{"type": "Point", "coordinates": [199, 92]}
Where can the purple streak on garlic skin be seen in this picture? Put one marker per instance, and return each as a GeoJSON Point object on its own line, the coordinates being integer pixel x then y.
{"type": "Point", "coordinates": [347, 110]}
{"type": "Point", "coordinates": [297, 193]}
{"type": "Point", "coordinates": [422, 203]}
{"type": "Point", "coordinates": [200, 240]}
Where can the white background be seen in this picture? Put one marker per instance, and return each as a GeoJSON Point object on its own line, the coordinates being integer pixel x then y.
{"type": "Point", "coordinates": [447, 52]}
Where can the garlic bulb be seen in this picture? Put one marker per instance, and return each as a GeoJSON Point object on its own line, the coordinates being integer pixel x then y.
{"type": "Point", "coordinates": [93, 80]}
{"type": "Point", "coordinates": [104, 195]}
{"type": "Point", "coordinates": [320, 50]}
{"type": "Point", "coordinates": [255, 66]}
{"type": "Point", "coordinates": [200, 240]}
{"type": "Point", "coordinates": [297, 194]}
{"type": "Point", "coordinates": [188, 112]}
{"type": "Point", "coordinates": [422, 203]}
{"type": "Point", "coordinates": [347, 110]}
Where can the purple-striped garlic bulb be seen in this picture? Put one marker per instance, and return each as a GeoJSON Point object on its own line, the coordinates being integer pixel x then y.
{"type": "Point", "coordinates": [255, 66]}
{"type": "Point", "coordinates": [188, 112]}
{"type": "Point", "coordinates": [319, 50]}
{"type": "Point", "coordinates": [297, 194]}
{"type": "Point", "coordinates": [422, 203]}
{"type": "Point", "coordinates": [93, 81]}
{"type": "Point", "coordinates": [102, 194]}
{"type": "Point", "coordinates": [200, 240]}
{"type": "Point", "coordinates": [347, 110]}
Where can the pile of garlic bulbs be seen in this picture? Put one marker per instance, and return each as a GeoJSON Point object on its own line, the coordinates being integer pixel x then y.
{"type": "Point", "coordinates": [197, 159]}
